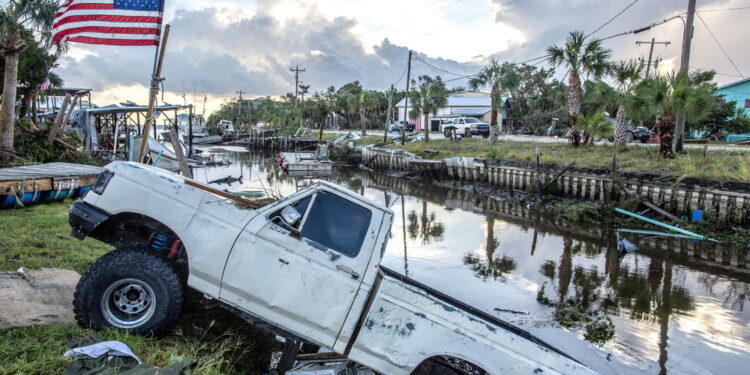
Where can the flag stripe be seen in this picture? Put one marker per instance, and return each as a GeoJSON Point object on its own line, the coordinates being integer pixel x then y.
{"type": "Point", "coordinates": [108, 30]}
{"type": "Point", "coordinates": [114, 42]}
{"type": "Point", "coordinates": [70, 4]}
{"type": "Point", "coordinates": [85, 7]}
{"type": "Point", "coordinates": [106, 19]}
{"type": "Point", "coordinates": [112, 12]}
{"type": "Point", "coordinates": [94, 34]}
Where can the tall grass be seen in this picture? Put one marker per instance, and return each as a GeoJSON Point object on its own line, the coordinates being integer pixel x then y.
{"type": "Point", "coordinates": [720, 165]}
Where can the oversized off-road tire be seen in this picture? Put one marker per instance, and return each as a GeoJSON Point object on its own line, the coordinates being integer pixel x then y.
{"type": "Point", "coordinates": [132, 290]}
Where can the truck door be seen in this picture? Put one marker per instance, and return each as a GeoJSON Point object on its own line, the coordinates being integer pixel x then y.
{"type": "Point", "coordinates": [303, 276]}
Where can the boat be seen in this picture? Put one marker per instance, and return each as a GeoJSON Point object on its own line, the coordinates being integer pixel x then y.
{"type": "Point", "coordinates": [308, 162]}
{"type": "Point", "coordinates": [41, 183]}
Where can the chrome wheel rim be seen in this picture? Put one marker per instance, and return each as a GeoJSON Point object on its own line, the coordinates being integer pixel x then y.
{"type": "Point", "coordinates": [128, 303]}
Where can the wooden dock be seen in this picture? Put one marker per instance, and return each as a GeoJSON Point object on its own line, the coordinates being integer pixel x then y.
{"type": "Point", "coordinates": [45, 182]}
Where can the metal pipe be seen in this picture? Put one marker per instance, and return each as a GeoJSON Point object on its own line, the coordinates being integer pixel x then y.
{"type": "Point", "coordinates": [660, 224]}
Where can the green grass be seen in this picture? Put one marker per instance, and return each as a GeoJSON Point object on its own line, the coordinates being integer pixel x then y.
{"type": "Point", "coordinates": [217, 341]}
{"type": "Point", "coordinates": [720, 165]}
{"type": "Point", "coordinates": [39, 236]}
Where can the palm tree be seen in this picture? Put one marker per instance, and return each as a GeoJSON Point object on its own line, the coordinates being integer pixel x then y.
{"type": "Point", "coordinates": [594, 126]}
{"type": "Point", "coordinates": [626, 75]}
{"type": "Point", "coordinates": [430, 96]}
{"type": "Point", "coordinates": [668, 97]}
{"type": "Point", "coordinates": [352, 106]}
{"type": "Point", "coordinates": [15, 17]}
{"type": "Point", "coordinates": [490, 76]}
{"type": "Point", "coordinates": [368, 101]}
{"type": "Point", "coordinates": [582, 60]}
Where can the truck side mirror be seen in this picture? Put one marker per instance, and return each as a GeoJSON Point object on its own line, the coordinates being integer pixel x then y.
{"type": "Point", "coordinates": [290, 215]}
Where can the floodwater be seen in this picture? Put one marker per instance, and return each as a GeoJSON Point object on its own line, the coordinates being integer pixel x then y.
{"type": "Point", "coordinates": [678, 307]}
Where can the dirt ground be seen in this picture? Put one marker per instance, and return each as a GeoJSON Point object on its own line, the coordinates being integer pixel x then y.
{"type": "Point", "coordinates": [33, 297]}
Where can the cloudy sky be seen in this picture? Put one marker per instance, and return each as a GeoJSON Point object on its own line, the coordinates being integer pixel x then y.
{"type": "Point", "coordinates": [219, 47]}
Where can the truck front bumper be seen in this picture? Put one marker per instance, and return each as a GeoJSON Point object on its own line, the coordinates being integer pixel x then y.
{"type": "Point", "coordinates": [84, 218]}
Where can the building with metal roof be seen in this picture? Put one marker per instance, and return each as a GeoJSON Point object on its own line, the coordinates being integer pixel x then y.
{"type": "Point", "coordinates": [460, 104]}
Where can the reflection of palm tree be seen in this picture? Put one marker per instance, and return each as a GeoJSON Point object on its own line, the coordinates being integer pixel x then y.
{"type": "Point", "coordinates": [663, 312]}
{"type": "Point", "coordinates": [566, 269]}
{"type": "Point", "coordinates": [403, 222]}
{"type": "Point", "coordinates": [424, 226]}
{"type": "Point", "coordinates": [492, 266]}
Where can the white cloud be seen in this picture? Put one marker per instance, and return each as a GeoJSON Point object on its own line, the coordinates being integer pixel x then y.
{"type": "Point", "coordinates": [219, 47]}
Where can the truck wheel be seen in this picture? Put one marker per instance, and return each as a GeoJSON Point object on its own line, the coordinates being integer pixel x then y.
{"type": "Point", "coordinates": [132, 290]}
{"type": "Point", "coordinates": [467, 133]}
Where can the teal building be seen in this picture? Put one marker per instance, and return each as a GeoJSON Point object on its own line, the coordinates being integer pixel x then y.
{"type": "Point", "coordinates": [738, 91]}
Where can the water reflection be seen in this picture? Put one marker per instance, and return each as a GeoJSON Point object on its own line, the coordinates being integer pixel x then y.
{"type": "Point", "coordinates": [678, 306]}
{"type": "Point", "coordinates": [491, 266]}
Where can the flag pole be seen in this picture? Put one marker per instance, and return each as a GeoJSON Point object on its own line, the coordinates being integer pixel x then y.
{"type": "Point", "coordinates": [153, 92]}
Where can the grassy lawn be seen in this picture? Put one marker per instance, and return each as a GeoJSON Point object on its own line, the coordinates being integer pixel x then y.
{"type": "Point", "coordinates": [721, 165]}
{"type": "Point", "coordinates": [38, 236]}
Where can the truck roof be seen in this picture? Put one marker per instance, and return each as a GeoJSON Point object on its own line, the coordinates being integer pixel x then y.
{"type": "Point", "coordinates": [351, 194]}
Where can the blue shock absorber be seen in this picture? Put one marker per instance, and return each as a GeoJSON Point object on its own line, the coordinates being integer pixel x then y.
{"type": "Point", "coordinates": [159, 243]}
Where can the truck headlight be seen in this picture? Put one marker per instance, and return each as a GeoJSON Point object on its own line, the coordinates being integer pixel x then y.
{"type": "Point", "coordinates": [473, 126]}
{"type": "Point", "coordinates": [102, 181]}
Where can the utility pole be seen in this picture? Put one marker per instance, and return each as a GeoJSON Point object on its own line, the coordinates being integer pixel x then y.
{"type": "Point", "coordinates": [406, 103]}
{"type": "Point", "coordinates": [296, 70]}
{"type": "Point", "coordinates": [239, 103]}
{"type": "Point", "coordinates": [687, 37]}
{"type": "Point", "coordinates": [651, 53]}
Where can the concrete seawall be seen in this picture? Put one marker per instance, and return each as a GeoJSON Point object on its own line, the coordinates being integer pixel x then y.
{"type": "Point", "coordinates": [677, 197]}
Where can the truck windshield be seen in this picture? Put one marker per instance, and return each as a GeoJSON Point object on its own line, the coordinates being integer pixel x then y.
{"type": "Point", "coordinates": [472, 121]}
{"type": "Point", "coordinates": [337, 224]}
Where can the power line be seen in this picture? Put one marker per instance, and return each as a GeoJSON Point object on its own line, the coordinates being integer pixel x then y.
{"type": "Point", "coordinates": [720, 46]}
{"type": "Point", "coordinates": [613, 18]}
{"type": "Point", "coordinates": [402, 76]}
{"type": "Point", "coordinates": [722, 10]}
{"type": "Point", "coordinates": [451, 25]}
{"type": "Point", "coordinates": [440, 69]}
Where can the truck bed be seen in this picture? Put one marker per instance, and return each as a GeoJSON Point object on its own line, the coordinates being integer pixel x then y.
{"type": "Point", "coordinates": [408, 320]}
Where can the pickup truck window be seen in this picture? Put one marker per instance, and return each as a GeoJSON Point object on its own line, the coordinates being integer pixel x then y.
{"type": "Point", "coordinates": [337, 224]}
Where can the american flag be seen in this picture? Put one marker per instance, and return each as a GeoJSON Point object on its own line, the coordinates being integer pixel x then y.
{"type": "Point", "coordinates": [46, 84]}
{"type": "Point", "coordinates": [112, 22]}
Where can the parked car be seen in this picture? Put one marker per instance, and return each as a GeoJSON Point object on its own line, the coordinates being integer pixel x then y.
{"type": "Point", "coordinates": [396, 126]}
{"type": "Point", "coordinates": [466, 126]}
{"type": "Point", "coordinates": [306, 267]}
{"type": "Point", "coordinates": [641, 134]}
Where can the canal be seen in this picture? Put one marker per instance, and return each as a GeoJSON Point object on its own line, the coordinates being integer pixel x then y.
{"type": "Point", "coordinates": [677, 306]}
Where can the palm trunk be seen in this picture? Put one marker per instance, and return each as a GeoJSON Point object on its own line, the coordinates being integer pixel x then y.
{"type": "Point", "coordinates": [575, 98]}
{"type": "Point", "coordinates": [665, 129]}
{"type": "Point", "coordinates": [8, 106]}
{"type": "Point", "coordinates": [426, 126]}
{"type": "Point", "coordinates": [494, 130]}
{"type": "Point", "coordinates": [621, 129]}
{"type": "Point", "coordinates": [362, 119]}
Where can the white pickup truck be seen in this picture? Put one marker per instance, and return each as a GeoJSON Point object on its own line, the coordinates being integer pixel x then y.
{"type": "Point", "coordinates": [307, 267]}
{"type": "Point", "coordinates": [465, 126]}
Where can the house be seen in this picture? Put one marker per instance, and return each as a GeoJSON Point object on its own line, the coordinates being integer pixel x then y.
{"type": "Point", "coordinates": [460, 104]}
{"type": "Point", "coordinates": [738, 91]}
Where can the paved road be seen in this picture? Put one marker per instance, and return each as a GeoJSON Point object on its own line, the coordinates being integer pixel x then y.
{"type": "Point", "coordinates": [543, 139]}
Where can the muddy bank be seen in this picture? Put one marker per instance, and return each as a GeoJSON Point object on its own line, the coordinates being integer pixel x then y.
{"type": "Point", "coordinates": [34, 297]}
